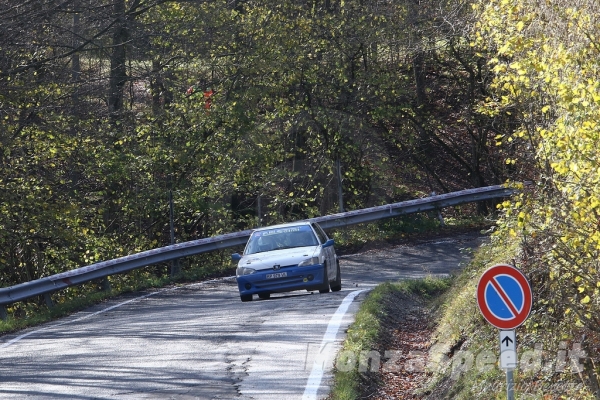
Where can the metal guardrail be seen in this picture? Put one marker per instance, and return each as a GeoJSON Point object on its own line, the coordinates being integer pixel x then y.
{"type": "Point", "coordinates": [103, 269]}
{"type": "Point", "coordinates": [413, 206]}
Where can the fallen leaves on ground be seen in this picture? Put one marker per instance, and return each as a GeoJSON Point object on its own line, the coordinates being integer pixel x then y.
{"type": "Point", "coordinates": [404, 373]}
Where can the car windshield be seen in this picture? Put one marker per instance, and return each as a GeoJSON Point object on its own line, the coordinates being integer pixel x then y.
{"type": "Point", "coordinates": [281, 238]}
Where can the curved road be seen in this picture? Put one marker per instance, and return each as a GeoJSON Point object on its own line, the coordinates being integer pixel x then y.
{"type": "Point", "coordinates": [201, 342]}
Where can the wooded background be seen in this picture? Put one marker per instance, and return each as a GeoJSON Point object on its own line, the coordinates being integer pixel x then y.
{"type": "Point", "coordinates": [248, 113]}
{"type": "Point", "coordinates": [109, 106]}
{"type": "Point", "coordinates": [236, 108]}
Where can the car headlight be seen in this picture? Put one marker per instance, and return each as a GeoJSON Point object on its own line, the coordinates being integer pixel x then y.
{"type": "Point", "coordinates": [244, 271]}
{"type": "Point", "coordinates": [309, 261]}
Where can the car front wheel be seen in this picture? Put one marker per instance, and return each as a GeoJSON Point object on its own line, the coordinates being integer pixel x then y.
{"type": "Point", "coordinates": [336, 286]}
{"type": "Point", "coordinates": [246, 297]}
{"type": "Point", "coordinates": [325, 288]}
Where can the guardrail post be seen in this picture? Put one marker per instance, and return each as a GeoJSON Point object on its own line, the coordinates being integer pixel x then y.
{"type": "Point", "coordinates": [48, 300]}
{"type": "Point", "coordinates": [3, 314]}
{"type": "Point", "coordinates": [106, 285]}
{"type": "Point", "coordinates": [440, 217]}
{"type": "Point", "coordinates": [439, 212]}
{"type": "Point", "coordinates": [338, 169]}
{"type": "Point", "coordinates": [175, 270]}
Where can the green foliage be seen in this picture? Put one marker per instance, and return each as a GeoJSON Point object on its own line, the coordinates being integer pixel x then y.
{"type": "Point", "coordinates": [412, 223]}
{"type": "Point", "coordinates": [404, 227]}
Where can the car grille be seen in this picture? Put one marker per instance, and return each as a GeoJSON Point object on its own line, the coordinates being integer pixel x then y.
{"type": "Point", "coordinates": [277, 282]}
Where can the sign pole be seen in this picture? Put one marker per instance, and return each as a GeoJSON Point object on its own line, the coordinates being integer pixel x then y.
{"type": "Point", "coordinates": [510, 385]}
{"type": "Point", "coordinates": [508, 359]}
{"type": "Point", "coordinates": [505, 300]}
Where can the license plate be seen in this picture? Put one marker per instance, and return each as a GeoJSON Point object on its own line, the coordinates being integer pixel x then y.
{"type": "Point", "coordinates": [277, 275]}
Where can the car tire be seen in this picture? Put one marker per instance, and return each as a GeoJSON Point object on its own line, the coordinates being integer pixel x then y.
{"type": "Point", "coordinates": [336, 286]}
{"type": "Point", "coordinates": [246, 297]}
{"type": "Point", "coordinates": [325, 287]}
{"type": "Point", "coordinates": [264, 296]}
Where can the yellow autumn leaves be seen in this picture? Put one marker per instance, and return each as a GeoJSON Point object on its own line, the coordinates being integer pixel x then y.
{"type": "Point", "coordinates": [547, 68]}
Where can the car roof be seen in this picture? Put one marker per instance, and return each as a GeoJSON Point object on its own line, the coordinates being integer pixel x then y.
{"type": "Point", "coordinates": [298, 223]}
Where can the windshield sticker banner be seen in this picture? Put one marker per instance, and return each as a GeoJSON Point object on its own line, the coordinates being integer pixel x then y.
{"type": "Point", "coordinates": [283, 230]}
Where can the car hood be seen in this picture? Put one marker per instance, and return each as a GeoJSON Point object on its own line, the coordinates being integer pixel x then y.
{"type": "Point", "coordinates": [283, 257]}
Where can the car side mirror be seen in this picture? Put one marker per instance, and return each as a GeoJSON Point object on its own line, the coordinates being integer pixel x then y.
{"type": "Point", "coordinates": [235, 257]}
{"type": "Point", "coordinates": [329, 243]}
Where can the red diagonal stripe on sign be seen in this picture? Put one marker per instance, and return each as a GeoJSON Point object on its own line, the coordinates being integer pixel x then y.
{"type": "Point", "coordinates": [505, 297]}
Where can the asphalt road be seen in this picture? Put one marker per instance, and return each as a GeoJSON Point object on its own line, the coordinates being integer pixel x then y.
{"type": "Point", "coordinates": [201, 342]}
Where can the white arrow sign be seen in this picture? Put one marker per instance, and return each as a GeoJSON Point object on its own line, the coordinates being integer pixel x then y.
{"type": "Point", "coordinates": [508, 350]}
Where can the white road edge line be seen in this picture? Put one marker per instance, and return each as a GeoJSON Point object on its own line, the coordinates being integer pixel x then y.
{"type": "Point", "coordinates": [23, 336]}
{"type": "Point", "coordinates": [316, 374]}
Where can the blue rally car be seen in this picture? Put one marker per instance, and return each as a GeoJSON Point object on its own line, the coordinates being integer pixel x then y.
{"type": "Point", "coordinates": [287, 257]}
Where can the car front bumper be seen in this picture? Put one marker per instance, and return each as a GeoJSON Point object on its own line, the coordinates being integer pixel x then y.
{"type": "Point", "coordinates": [311, 277]}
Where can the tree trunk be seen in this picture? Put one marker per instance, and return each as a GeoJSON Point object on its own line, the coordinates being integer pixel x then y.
{"type": "Point", "coordinates": [419, 75]}
{"type": "Point", "coordinates": [118, 70]}
{"type": "Point", "coordinates": [156, 88]}
{"type": "Point", "coordinates": [75, 60]}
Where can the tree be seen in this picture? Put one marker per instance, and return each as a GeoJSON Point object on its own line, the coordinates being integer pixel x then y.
{"type": "Point", "coordinates": [96, 120]}
{"type": "Point", "coordinates": [546, 75]}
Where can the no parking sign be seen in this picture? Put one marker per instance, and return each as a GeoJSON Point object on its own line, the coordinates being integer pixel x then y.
{"type": "Point", "coordinates": [505, 299]}
{"type": "Point", "coordinates": [504, 296]}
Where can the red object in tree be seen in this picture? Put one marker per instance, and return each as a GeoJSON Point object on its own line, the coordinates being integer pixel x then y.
{"type": "Point", "coordinates": [207, 98]}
